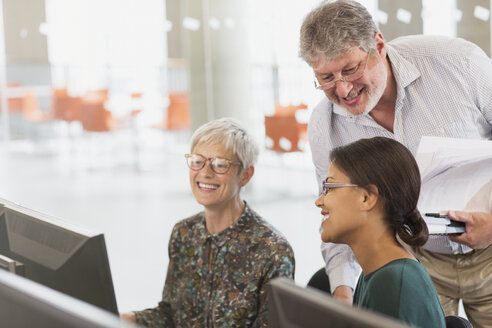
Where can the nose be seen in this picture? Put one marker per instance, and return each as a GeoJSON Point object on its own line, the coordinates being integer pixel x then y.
{"type": "Point", "coordinates": [343, 88]}
{"type": "Point", "coordinates": [207, 168]}
{"type": "Point", "coordinates": [319, 201]}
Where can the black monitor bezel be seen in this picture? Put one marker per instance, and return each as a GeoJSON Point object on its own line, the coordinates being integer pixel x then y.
{"type": "Point", "coordinates": [25, 303]}
{"type": "Point", "coordinates": [90, 280]}
{"type": "Point", "coordinates": [292, 306]}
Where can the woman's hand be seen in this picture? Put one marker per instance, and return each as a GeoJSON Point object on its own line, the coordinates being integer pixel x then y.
{"type": "Point", "coordinates": [129, 316]}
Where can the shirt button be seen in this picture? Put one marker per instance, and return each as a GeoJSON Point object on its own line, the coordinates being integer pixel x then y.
{"type": "Point", "coordinates": [441, 130]}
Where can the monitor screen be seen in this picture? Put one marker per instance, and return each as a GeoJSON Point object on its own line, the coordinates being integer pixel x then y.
{"type": "Point", "coordinates": [291, 306]}
{"type": "Point", "coordinates": [24, 303]}
{"type": "Point", "coordinates": [57, 255]}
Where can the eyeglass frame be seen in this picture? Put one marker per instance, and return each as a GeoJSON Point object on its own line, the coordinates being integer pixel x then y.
{"type": "Point", "coordinates": [324, 87]}
{"type": "Point", "coordinates": [211, 160]}
{"type": "Point", "coordinates": [327, 186]}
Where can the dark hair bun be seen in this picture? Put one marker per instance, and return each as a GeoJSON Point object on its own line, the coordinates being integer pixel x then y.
{"type": "Point", "coordinates": [414, 230]}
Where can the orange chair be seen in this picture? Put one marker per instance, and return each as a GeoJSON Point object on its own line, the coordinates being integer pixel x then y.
{"type": "Point", "coordinates": [284, 127]}
{"type": "Point", "coordinates": [65, 107]}
{"type": "Point", "coordinates": [31, 111]}
{"type": "Point", "coordinates": [100, 95]}
{"type": "Point", "coordinates": [288, 110]}
{"type": "Point", "coordinates": [93, 115]}
{"type": "Point", "coordinates": [178, 113]}
{"type": "Point", "coordinates": [14, 104]}
{"type": "Point", "coordinates": [136, 104]}
{"type": "Point", "coordinates": [96, 118]}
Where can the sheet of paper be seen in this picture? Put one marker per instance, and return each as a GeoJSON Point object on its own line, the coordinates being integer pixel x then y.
{"type": "Point", "coordinates": [455, 173]}
{"type": "Point", "coordinates": [436, 155]}
{"type": "Point", "coordinates": [453, 188]}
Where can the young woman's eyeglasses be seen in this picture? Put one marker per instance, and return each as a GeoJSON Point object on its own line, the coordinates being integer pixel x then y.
{"type": "Point", "coordinates": [348, 75]}
{"type": "Point", "coordinates": [327, 186]}
{"type": "Point", "coordinates": [219, 165]}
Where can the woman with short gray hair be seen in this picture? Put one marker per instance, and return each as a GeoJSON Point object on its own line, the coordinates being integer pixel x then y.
{"type": "Point", "coordinates": [221, 259]}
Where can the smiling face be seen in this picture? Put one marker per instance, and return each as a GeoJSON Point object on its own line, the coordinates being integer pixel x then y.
{"type": "Point", "coordinates": [362, 95]}
{"type": "Point", "coordinates": [212, 190]}
{"type": "Point", "coordinates": [340, 209]}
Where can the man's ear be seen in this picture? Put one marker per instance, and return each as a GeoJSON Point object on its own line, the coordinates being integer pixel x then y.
{"type": "Point", "coordinates": [380, 44]}
{"type": "Point", "coordinates": [246, 175]}
{"type": "Point", "coordinates": [370, 196]}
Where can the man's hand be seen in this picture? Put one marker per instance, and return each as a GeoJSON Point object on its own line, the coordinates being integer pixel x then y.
{"type": "Point", "coordinates": [478, 233]}
{"type": "Point", "coordinates": [344, 294]}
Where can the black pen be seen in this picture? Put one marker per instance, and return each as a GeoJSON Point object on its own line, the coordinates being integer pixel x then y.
{"type": "Point", "coordinates": [436, 215]}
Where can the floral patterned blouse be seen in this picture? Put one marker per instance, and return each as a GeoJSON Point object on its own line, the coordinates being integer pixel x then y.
{"type": "Point", "coordinates": [220, 280]}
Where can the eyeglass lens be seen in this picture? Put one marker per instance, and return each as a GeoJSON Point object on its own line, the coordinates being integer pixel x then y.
{"type": "Point", "coordinates": [347, 78]}
{"type": "Point", "coordinates": [218, 165]}
{"type": "Point", "coordinates": [327, 186]}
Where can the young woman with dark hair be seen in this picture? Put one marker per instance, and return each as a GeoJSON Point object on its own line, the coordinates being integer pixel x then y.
{"type": "Point", "coordinates": [369, 198]}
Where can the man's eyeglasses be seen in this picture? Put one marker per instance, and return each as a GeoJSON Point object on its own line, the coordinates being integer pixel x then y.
{"type": "Point", "coordinates": [218, 165]}
{"type": "Point", "coordinates": [327, 186]}
{"type": "Point", "coordinates": [349, 75]}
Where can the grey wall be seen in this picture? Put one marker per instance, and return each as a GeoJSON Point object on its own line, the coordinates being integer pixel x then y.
{"type": "Point", "coordinates": [395, 28]}
{"type": "Point", "coordinates": [27, 57]}
{"type": "Point", "coordinates": [472, 28]}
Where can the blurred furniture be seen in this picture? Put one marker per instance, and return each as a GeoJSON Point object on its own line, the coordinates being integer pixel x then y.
{"type": "Point", "coordinates": [178, 113]}
{"type": "Point", "coordinates": [453, 321]}
{"type": "Point", "coordinates": [288, 110]}
{"type": "Point", "coordinates": [14, 104]}
{"type": "Point", "coordinates": [31, 111]}
{"type": "Point", "coordinates": [320, 281]}
{"type": "Point", "coordinates": [39, 123]}
{"type": "Point", "coordinates": [100, 95]}
{"type": "Point", "coordinates": [95, 118]}
{"type": "Point", "coordinates": [284, 130]}
{"type": "Point", "coordinates": [136, 102]}
{"type": "Point", "coordinates": [65, 107]}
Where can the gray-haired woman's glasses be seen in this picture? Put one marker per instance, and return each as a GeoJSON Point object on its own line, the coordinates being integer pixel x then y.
{"type": "Point", "coordinates": [219, 165]}
{"type": "Point", "coordinates": [350, 75]}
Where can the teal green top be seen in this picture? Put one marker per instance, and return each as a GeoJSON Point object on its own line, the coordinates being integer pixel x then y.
{"type": "Point", "coordinates": [401, 289]}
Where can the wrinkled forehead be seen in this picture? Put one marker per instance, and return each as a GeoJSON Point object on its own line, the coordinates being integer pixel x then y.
{"type": "Point", "coordinates": [322, 59]}
{"type": "Point", "coordinates": [326, 65]}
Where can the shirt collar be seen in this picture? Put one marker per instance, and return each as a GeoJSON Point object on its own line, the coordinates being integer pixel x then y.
{"type": "Point", "coordinates": [220, 238]}
{"type": "Point", "coordinates": [404, 71]}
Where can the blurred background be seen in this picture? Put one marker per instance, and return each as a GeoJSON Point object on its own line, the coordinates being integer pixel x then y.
{"type": "Point", "coordinates": [99, 99]}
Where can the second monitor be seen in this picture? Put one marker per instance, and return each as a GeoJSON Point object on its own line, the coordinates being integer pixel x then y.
{"type": "Point", "coordinates": [291, 306]}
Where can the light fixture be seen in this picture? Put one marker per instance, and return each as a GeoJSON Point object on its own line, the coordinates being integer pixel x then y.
{"type": "Point", "coordinates": [191, 24]}
{"type": "Point", "coordinates": [404, 15]}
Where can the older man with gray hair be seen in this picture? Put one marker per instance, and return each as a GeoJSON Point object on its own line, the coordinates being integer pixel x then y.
{"type": "Point", "coordinates": [410, 87]}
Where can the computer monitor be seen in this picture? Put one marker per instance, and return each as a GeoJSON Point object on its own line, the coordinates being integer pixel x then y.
{"type": "Point", "coordinates": [58, 255]}
{"type": "Point", "coordinates": [24, 303]}
{"type": "Point", "coordinates": [3, 202]}
{"type": "Point", "coordinates": [291, 306]}
{"type": "Point", "coordinates": [5, 262]}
